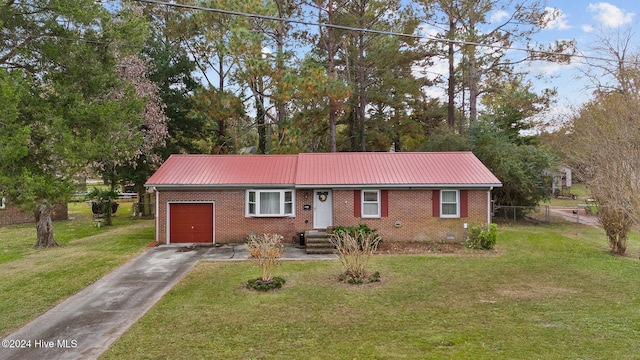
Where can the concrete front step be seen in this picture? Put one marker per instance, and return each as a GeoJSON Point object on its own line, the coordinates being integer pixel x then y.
{"type": "Point", "coordinates": [317, 242]}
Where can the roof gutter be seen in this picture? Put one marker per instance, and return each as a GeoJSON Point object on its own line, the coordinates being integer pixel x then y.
{"type": "Point", "coordinates": [489, 209]}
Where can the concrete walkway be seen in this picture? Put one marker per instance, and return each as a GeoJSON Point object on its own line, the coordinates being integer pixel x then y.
{"type": "Point", "coordinates": [87, 323]}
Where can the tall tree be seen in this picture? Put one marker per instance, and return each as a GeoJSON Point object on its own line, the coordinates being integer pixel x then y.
{"type": "Point", "coordinates": [371, 61]}
{"type": "Point", "coordinates": [499, 139]}
{"type": "Point", "coordinates": [329, 42]}
{"type": "Point", "coordinates": [522, 168]}
{"type": "Point", "coordinates": [70, 99]}
{"type": "Point", "coordinates": [516, 107]}
{"type": "Point", "coordinates": [392, 91]}
{"type": "Point", "coordinates": [172, 70]}
{"type": "Point", "coordinates": [518, 160]}
{"type": "Point", "coordinates": [484, 41]}
{"type": "Point", "coordinates": [142, 161]}
{"type": "Point", "coordinates": [604, 151]}
{"type": "Point", "coordinates": [207, 38]}
{"type": "Point", "coordinates": [601, 141]}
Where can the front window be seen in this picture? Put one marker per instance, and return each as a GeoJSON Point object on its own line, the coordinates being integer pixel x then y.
{"type": "Point", "coordinates": [371, 203]}
{"type": "Point", "coordinates": [269, 203]}
{"type": "Point", "coordinates": [449, 204]}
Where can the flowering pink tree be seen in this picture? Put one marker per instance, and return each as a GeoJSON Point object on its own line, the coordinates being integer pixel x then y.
{"type": "Point", "coordinates": [132, 149]}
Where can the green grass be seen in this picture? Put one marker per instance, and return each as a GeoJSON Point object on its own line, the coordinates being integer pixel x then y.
{"type": "Point", "coordinates": [546, 292]}
{"type": "Point", "coordinates": [17, 241]}
{"type": "Point", "coordinates": [581, 191]}
{"type": "Point", "coordinates": [34, 280]}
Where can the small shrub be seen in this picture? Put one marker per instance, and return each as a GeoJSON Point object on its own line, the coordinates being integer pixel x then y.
{"type": "Point", "coordinates": [259, 285]}
{"type": "Point", "coordinates": [354, 248]}
{"type": "Point", "coordinates": [265, 251]}
{"type": "Point", "coordinates": [481, 237]}
{"type": "Point", "coordinates": [359, 232]}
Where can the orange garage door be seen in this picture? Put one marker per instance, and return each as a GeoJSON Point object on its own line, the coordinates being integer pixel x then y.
{"type": "Point", "coordinates": [191, 223]}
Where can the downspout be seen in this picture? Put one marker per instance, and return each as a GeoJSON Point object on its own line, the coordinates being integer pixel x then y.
{"type": "Point", "coordinates": [155, 215]}
{"type": "Point", "coordinates": [489, 205]}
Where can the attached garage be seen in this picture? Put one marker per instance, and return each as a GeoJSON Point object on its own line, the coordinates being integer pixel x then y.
{"type": "Point", "coordinates": [191, 223]}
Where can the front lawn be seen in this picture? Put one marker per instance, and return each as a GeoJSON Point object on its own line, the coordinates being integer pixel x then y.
{"type": "Point", "coordinates": [34, 280]}
{"type": "Point", "coordinates": [546, 292]}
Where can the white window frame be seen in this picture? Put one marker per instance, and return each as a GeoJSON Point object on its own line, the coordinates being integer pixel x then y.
{"type": "Point", "coordinates": [378, 202]}
{"type": "Point", "coordinates": [3, 203]}
{"type": "Point", "coordinates": [457, 203]}
{"type": "Point", "coordinates": [283, 203]}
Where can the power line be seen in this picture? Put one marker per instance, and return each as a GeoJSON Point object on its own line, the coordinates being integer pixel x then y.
{"type": "Point", "coordinates": [349, 28]}
{"type": "Point", "coordinates": [275, 18]}
{"type": "Point", "coordinates": [380, 32]}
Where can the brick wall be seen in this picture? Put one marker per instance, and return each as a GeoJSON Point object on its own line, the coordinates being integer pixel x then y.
{"type": "Point", "coordinates": [231, 225]}
{"type": "Point", "coordinates": [12, 215]}
{"type": "Point", "coordinates": [410, 215]}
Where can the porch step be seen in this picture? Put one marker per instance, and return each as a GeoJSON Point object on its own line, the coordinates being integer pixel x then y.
{"type": "Point", "coordinates": [317, 242]}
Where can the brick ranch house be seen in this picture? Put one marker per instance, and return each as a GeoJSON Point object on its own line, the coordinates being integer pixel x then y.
{"type": "Point", "coordinates": [405, 196]}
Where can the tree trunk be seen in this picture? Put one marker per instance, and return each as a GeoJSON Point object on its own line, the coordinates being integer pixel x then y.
{"type": "Point", "coordinates": [107, 212]}
{"type": "Point", "coordinates": [333, 106]}
{"type": "Point", "coordinates": [44, 226]}
{"type": "Point", "coordinates": [616, 224]}
{"type": "Point", "coordinates": [262, 125]}
{"type": "Point", "coordinates": [451, 91]}
{"type": "Point", "coordinates": [473, 86]}
{"type": "Point", "coordinates": [281, 109]}
{"type": "Point", "coordinates": [361, 92]}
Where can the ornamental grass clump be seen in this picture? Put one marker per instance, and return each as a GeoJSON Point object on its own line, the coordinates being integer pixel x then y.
{"type": "Point", "coordinates": [265, 251]}
{"type": "Point", "coordinates": [354, 250]}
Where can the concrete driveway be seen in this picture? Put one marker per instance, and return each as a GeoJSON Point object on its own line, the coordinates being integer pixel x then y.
{"type": "Point", "coordinates": [87, 323]}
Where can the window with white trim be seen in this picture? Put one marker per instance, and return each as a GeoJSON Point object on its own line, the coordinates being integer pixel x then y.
{"type": "Point", "coordinates": [2, 203]}
{"type": "Point", "coordinates": [270, 203]}
{"type": "Point", "coordinates": [370, 203]}
{"type": "Point", "coordinates": [449, 203]}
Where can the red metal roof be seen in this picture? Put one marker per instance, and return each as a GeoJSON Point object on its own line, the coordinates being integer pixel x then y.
{"type": "Point", "coordinates": [326, 169]}
{"type": "Point", "coordinates": [226, 170]}
{"type": "Point", "coordinates": [408, 168]}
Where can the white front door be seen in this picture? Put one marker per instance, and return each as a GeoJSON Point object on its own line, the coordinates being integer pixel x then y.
{"type": "Point", "coordinates": [322, 209]}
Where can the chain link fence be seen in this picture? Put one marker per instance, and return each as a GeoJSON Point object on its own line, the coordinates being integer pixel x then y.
{"type": "Point", "coordinates": [519, 213]}
{"type": "Point", "coordinates": [582, 214]}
